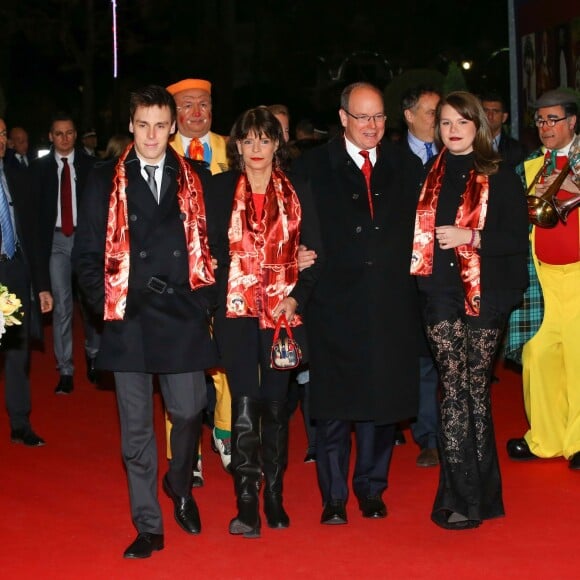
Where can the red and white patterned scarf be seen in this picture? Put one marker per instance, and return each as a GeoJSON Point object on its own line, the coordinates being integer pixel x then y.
{"type": "Point", "coordinates": [471, 214]}
{"type": "Point", "coordinates": [117, 247]}
{"type": "Point", "coordinates": [263, 250]}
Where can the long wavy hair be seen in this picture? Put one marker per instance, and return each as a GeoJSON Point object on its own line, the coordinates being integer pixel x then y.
{"type": "Point", "coordinates": [485, 159]}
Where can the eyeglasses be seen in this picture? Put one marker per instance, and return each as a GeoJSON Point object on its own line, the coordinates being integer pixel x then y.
{"type": "Point", "coordinates": [550, 121]}
{"type": "Point", "coordinates": [363, 119]}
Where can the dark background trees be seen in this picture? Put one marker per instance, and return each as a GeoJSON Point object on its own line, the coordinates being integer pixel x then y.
{"type": "Point", "coordinates": [58, 53]}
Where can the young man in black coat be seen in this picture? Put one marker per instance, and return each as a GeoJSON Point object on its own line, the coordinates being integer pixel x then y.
{"type": "Point", "coordinates": [143, 262]}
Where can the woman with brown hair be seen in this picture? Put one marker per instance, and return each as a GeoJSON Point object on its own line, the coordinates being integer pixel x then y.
{"type": "Point", "coordinates": [265, 214]}
{"type": "Point", "coordinates": [469, 256]}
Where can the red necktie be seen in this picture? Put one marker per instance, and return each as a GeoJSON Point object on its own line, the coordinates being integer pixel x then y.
{"type": "Point", "coordinates": [195, 150]}
{"type": "Point", "coordinates": [66, 212]}
{"type": "Point", "coordinates": [367, 169]}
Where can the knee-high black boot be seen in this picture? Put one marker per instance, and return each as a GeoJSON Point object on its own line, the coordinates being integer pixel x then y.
{"type": "Point", "coordinates": [275, 458]}
{"type": "Point", "coordinates": [246, 465]}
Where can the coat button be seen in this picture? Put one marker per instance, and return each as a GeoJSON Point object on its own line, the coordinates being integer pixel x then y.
{"type": "Point", "coordinates": [133, 217]}
{"type": "Point", "coordinates": [170, 291]}
{"type": "Point", "coordinates": [358, 229]}
{"type": "Point", "coordinates": [142, 254]}
{"type": "Point", "coordinates": [355, 196]}
{"type": "Point", "coordinates": [177, 253]}
{"type": "Point", "coordinates": [182, 216]}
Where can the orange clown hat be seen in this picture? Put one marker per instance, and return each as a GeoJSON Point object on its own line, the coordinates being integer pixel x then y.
{"type": "Point", "coordinates": [188, 84]}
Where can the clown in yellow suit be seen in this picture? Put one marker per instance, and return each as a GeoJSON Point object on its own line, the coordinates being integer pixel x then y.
{"type": "Point", "coordinates": [550, 336]}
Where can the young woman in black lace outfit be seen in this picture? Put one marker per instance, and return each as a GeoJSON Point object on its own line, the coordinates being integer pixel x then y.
{"type": "Point", "coordinates": [469, 256]}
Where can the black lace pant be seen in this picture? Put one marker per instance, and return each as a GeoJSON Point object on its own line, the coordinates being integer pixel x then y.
{"type": "Point", "coordinates": [464, 348]}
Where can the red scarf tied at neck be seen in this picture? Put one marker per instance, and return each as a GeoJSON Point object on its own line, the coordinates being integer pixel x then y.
{"type": "Point", "coordinates": [263, 250]}
{"type": "Point", "coordinates": [471, 214]}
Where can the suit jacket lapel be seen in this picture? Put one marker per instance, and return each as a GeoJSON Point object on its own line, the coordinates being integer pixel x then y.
{"type": "Point", "coordinates": [170, 170]}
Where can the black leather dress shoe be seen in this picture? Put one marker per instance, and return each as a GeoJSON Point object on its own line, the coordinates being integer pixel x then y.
{"type": "Point", "coordinates": [185, 512]}
{"type": "Point", "coordinates": [27, 437]}
{"type": "Point", "coordinates": [334, 513]}
{"type": "Point", "coordinates": [575, 461]}
{"type": "Point", "coordinates": [518, 450]}
{"type": "Point", "coordinates": [372, 507]}
{"type": "Point", "coordinates": [144, 545]}
{"type": "Point", "coordinates": [65, 385]}
{"type": "Point", "coordinates": [92, 372]}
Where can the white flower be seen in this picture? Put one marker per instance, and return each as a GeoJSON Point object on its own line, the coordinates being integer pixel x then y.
{"type": "Point", "coordinates": [9, 309]}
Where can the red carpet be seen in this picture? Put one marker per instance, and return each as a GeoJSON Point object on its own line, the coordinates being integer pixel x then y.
{"type": "Point", "coordinates": [65, 509]}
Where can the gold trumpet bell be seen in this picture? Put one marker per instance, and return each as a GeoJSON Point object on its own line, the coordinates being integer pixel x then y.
{"type": "Point", "coordinates": [542, 213]}
{"type": "Point", "coordinates": [563, 208]}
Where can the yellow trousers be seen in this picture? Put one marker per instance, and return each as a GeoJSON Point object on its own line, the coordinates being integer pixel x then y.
{"type": "Point", "coordinates": [223, 407]}
{"type": "Point", "coordinates": [551, 366]}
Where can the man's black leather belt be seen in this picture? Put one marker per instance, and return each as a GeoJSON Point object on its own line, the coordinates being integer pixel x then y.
{"type": "Point", "coordinates": [156, 285]}
{"type": "Point", "coordinates": [60, 229]}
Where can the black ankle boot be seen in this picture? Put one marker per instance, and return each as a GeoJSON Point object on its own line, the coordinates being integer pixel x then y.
{"type": "Point", "coordinates": [246, 466]}
{"type": "Point", "coordinates": [275, 458]}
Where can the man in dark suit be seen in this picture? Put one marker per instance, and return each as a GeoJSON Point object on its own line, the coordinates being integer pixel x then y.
{"type": "Point", "coordinates": [143, 262]}
{"type": "Point", "coordinates": [17, 152]}
{"type": "Point", "coordinates": [419, 105]}
{"type": "Point", "coordinates": [59, 179]}
{"type": "Point", "coordinates": [512, 151]}
{"type": "Point", "coordinates": [25, 274]}
{"type": "Point", "coordinates": [363, 317]}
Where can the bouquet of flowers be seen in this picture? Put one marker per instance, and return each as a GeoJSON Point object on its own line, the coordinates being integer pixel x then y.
{"type": "Point", "coordinates": [9, 309]}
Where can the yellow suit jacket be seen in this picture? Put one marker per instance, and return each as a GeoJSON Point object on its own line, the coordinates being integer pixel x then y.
{"type": "Point", "coordinates": [217, 143]}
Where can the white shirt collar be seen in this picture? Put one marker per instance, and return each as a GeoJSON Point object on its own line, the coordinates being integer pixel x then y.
{"type": "Point", "coordinates": [353, 151]}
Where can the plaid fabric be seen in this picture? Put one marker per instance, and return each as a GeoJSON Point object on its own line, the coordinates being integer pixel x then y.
{"type": "Point", "coordinates": [525, 321]}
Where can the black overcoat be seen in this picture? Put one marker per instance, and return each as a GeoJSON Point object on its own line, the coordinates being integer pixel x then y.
{"type": "Point", "coordinates": [160, 333]}
{"type": "Point", "coordinates": [363, 317]}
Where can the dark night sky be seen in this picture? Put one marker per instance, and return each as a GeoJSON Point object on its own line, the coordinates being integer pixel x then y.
{"type": "Point", "coordinates": [271, 52]}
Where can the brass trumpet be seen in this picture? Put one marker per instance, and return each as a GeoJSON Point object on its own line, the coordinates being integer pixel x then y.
{"type": "Point", "coordinates": [545, 211]}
